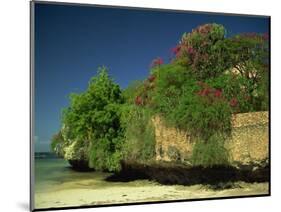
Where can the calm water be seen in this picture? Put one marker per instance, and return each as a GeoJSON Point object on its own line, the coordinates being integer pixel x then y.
{"type": "Point", "coordinates": [49, 173]}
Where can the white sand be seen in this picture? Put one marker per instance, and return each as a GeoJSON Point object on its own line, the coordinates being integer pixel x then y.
{"type": "Point", "coordinates": [85, 192]}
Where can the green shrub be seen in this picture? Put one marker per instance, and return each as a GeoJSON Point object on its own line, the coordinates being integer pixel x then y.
{"type": "Point", "coordinates": [197, 107]}
{"type": "Point", "coordinates": [202, 114]}
{"type": "Point", "coordinates": [105, 153]}
{"type": "Point", "coordinates": [139, 144]}
{"type": "Point", "coordinates": [169, 85]}
{"type": "Point", "coordinates": [201, 118]}
{"type": "Point", "coordinates": [210, 153]}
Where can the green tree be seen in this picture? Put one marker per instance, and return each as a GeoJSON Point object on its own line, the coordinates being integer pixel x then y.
{"type": "Point", "coordinates": [93, 118]}
{"type": "Point", "coordinates": [249, 54]}
{"type": "Point", "coordinates": [204, 50]}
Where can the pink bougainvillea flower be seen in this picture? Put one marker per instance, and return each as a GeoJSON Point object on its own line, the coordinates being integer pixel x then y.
{"type": "Point", "coordinates": [218, 93]}
{"type": "Point", "coordinates": [190, 50]}
{"type": "Point", "coordinates": [233, 102]}
{"type": "Point", "coordinates": [204, 92]}
{"type": "Point", "coordinates": [176, 49]}
{"type": "Point", "coordinates": [160, 61]}
{"type": "Point", "coordinates": [157, 62]}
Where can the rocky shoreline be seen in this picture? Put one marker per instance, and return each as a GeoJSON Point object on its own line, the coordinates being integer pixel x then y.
{"type": "Point", "coordinates": [173, 173]}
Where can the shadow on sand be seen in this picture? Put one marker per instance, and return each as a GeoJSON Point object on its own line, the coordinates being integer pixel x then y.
{"type": "Point", "coordinates": [169, 174]}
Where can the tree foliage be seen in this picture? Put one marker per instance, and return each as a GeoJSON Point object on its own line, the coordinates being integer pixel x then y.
{"type": "Point", "coordinates": [92, 122]}
{"type": "Point", "coordinates": [210, 78]}
{"type": "Point", "coordinates": [204, 50]}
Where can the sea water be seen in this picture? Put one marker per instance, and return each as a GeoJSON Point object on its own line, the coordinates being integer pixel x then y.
{"type": "Point", "coordinates": [51, 172]}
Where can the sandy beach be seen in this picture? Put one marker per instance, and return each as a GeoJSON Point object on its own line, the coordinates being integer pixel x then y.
{"type": "Point", "coordinates": [86, 193]}
{"type": "Point", "coordinates": [57, 185]}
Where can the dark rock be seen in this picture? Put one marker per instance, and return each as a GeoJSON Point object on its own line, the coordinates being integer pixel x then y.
{"type": "Point", "coordinates": [176, 173]}
{"type": "Point", "coordinates": [80, 165]}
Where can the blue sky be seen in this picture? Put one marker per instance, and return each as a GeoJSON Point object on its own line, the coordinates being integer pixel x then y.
{"type": "Point", "coordinates": [71, 42]}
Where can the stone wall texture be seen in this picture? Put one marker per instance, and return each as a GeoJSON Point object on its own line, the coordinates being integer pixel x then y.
{"type": "Point", "coordinates": [249, 141]}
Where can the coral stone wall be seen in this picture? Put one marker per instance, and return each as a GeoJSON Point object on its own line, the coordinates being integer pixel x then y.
{"type": "Point", "coordinates": [250, 138]}
{"type": "Point", "coordinates": [168, 139]}
{"type": "Point", "coordinates": [249, 141]}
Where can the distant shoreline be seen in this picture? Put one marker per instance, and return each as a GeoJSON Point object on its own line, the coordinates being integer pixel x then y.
{"type": "Point", "coordinates": [45, 155]}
